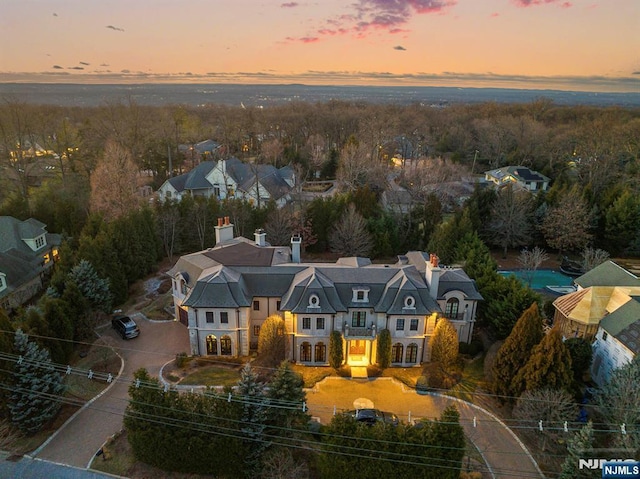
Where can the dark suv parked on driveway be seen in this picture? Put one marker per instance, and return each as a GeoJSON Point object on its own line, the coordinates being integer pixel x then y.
{"type": "Point", "coordinates": [371, 416]}
{"type": "Point", "coordinates": [125, 327]}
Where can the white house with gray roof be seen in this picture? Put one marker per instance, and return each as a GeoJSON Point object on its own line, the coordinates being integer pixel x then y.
{"type": "Point", "coordinates": [224, 294]}
{"type": "Point", "coordinates": [232, 178]}
{"type": "Point", "coordinates": [27, 253]}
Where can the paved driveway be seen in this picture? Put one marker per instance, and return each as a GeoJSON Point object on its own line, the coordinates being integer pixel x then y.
{"type": "Point", "coordinates": [504, 454]}
{"type": "Point", "coordinates": [77, 442]}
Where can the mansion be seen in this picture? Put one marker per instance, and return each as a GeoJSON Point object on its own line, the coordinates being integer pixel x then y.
{"type": "Point", "coordinates": [225, 293]}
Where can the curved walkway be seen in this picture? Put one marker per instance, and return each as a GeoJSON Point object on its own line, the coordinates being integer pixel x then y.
{"type": "Point", "coordinates": [503, 452]}
{"type": "Point", "coordinates": [77, 441]}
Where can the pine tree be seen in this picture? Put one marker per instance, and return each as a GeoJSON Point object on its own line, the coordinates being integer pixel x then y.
{"type": "Point", "coordinates": [578, 448]}
{"type": "Point", "coordinates": [94, 288]}
{"type": "Point", "coordinates": [444, 344]}
{"type": "Point", "coordinates": [515, 351]}
{"type": "Point", "coordinates": [384, 349]}
{"type": "Point", "coordinates": [6, 347]}
{"type": "Point", "coordinates": [60, 328]}
{"type": "Point", "coordinates": [336, 353]}
{"type": "Point", "coordinates": [287, 399]}
{"type": "Point", "coordinates": [448, 434]}
{"type": "Point", "coordinates": [254, 419]}
{"type": "Point", "coordinates": [548, 367]}
{"type": "Point", "coordinates": [38, 388]}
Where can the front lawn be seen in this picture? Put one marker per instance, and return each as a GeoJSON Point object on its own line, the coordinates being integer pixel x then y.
{"type": "Point", "coordinates": [312, 374]}
{"type": "Point", "coordinates": [212, 376]}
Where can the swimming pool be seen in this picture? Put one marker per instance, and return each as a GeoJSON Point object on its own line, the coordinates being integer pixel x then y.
{"type": "Point", "coordinates": [540, 278]}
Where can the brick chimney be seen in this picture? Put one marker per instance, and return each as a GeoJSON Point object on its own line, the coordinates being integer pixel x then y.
{"type": "Point", "coordinates": [224, 230]}
{"type": "Point", "coordinates": [260, 237]}
{"type": "Point", "coordinates": [432, 275]}
{"type": "Point", "coordinates": [296, 248]}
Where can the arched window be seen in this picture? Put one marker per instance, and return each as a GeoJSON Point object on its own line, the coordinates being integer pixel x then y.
{"type": "Point", "coordinates": [412, 353]}
{"type": "Point", "coordinates": [321, 352]}
{"type": "Point", "coordinates": [305, 352]}
{"type": "Point", "coordinates": [212, 345]}
{"type": "Point", "coordinates": [225, 346]}
{"type": "Point", "coordinates": [396, 353]}
{"type": "Point", "coordinates": [451, 310]}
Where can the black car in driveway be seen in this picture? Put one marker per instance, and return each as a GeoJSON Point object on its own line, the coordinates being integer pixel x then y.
{"type": "Point", "coordinates": [371, 416]}
{"type": "Point", "coordinates": [125, 327]}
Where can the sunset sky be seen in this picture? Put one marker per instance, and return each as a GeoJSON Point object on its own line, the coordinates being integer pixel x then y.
{"type": "Point", "coordinates": [591, 45]}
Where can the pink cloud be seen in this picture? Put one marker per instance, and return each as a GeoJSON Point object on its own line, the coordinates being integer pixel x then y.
{"type": "Point", "coordinates": [529, 3]}
{"type": "Point", "coordinates": [289, 5]}
{"type": "Point", "coordinates": [367, 16]}
{"type": "Point", "coordinates": [494, 15]}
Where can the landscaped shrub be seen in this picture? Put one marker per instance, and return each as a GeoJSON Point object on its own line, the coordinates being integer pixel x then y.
{"type": "Point", "coordinates": [472, 349]}
{"type": "Point", "coordinates": [182, 360]}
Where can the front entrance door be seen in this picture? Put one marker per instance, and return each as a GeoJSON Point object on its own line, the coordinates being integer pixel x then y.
{"type": "Point", "coordinates": [358, 353]}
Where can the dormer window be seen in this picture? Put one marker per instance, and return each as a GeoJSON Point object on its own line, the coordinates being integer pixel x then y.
{"type": "Point", "coordinates": [360, 295]}
{"type": "Point", "coordinates": [409, 302]}
{"type": "Point", "coordinates": [314, 301]}
{"type": "Point", "coordinates": [40, 242]}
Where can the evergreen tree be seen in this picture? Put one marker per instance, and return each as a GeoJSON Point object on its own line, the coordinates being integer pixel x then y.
{"type": "Point", "coordinates": [6, 347]}
{"type": "Point", "coordinates": [78, 311]}
{"type": "Point", "coordinates": [37, 387]}
{"type": "Point", "coordinates": [254, 419]}
{"type": "Point", "coordinates": [384, 349]}
{"type": "Point", "coordinates": [286, 398]}
{"type": "Point", "coordinates": [272, 341]}
{"type": "Point", "coordinates": [579, 447]}
{"type": "Point", "coordinates": [448, 434]}
{"type": "Point", "coordinates": [581, 353]}
{"type": "Point", "coordinates": [94, 288]}
{"type": "Point", "coordinates": [444, 240]}
{"type": "Point", "coordinates": [622, 224]}
{"type": "Point", "coordinates": [336, 353]}
{"type": "Point", "coordinates": [515, 351]}
{"type": "Point", "coordinates": [60, 328]}
{"type": "Point", "coordinates": [549, 365]}
{"type": "Point", "coordinates": [444, 344]}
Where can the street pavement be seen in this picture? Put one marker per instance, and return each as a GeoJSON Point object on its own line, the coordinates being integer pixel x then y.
{"type": "Point", "coordinates": [504, 454]}
{"type": "Point", "coordinates": [80, 438]}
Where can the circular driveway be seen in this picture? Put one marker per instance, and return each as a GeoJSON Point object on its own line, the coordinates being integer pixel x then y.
{"type": "Point", "coordinates": [78, 440]}
{"type": "Point", "coordinates": [505, 455]}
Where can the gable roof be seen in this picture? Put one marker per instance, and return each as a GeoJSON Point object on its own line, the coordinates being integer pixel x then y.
{"type": "Point", "coordinates": [607, 274]}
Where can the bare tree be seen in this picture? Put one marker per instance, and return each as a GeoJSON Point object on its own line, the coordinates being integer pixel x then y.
{"type": "Point", "coordinates": [511, 219]}
{"type": "Point", "coordinates": [114, 183]}
{"type": "Point", "coordinates": [592, 257]}
{"type": "Point", "coordinates": [566, 225]}
{"type": "Point", "coordinates": [531, 261]}
{"type": "Point", "coordinates": [279, 226]}
{"type": "Point", "coordinates": [350, 236]}
{"type": "Point", "coordinates": [547, 410]}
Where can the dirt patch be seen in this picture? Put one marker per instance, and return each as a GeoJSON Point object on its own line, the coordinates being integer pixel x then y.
{"type": "Point", "coordinates": [510, 261]}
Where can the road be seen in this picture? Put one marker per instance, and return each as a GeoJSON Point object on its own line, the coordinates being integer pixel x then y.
{"type": "Point", "coordinates": [504, 454]}
{"type": "Point", "coordinates": [78, 440]}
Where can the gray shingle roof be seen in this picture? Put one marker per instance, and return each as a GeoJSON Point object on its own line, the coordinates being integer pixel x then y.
{"type": "Point", "coordinates": [624, 324]}
{"type": "Point", "coordinates": [607, 274]}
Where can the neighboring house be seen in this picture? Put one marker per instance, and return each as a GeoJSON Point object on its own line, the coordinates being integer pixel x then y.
{"type": "Point", "coordinates": [617, 341]}
{"type": "Point", "coordinates": [605, 307]}
{"type": "Point", "coordinates": [600, 292]}
{"type": "Point", "coordinates": [27, 253]}
{"type": "Point", "coordinates": [231, 178]}
{"type": "Point", "coordinates": [224, 294]}
{"type": "Point", "coordinates": [203, 150]}
{"type": "Point", "coordinates": [607, 274]}
{"type": "Point", "coordinates": [519, 175]}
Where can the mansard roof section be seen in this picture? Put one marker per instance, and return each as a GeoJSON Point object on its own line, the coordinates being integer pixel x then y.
{"type": "Point", "coordinates": [192, 267]}
{"type": "Point", "coordinates": [455, 279]}
{"type": "Point", "coordinates": [307, 283]}
{"type": "Point", "coordinates": [223, 288]}
{"type": "Point", "coordinates": [607, 274]}
{"type": "Point", "coordinates": [404, 285]}
{"type": "Point", "coordinates": [354, 261]}
{"type": "Point", "coordinates": [269, 281]}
